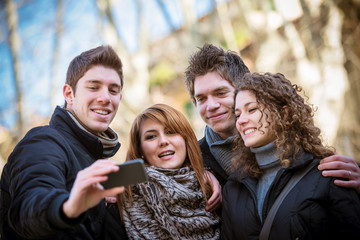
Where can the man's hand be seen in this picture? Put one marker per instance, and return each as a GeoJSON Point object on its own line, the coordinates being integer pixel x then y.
{"type": "Point", "coordinates": [87, 191]}
{"type": "Point", "coordinates": [341, 167]}
{"type": "Point", "coordinates": [215, 200]}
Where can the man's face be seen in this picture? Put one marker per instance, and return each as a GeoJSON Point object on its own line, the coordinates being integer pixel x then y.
{"type": "Point", "coordinates": [96, 99]}
{"type": "Point", "coordinates": [215, 101]}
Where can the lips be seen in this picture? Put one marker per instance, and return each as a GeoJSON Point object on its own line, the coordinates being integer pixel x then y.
{"type": "Point", "coordinates": [102, 112]}
{"type": "Point", "coordinates": [249, 130]}
{"type": "Point", "coordinates": [166, 153]}
{"type": "Point", "coordinates": [216, 117]}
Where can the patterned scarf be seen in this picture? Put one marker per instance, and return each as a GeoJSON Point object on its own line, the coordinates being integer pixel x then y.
{"type": "Point", "coordinates": [169, 206]}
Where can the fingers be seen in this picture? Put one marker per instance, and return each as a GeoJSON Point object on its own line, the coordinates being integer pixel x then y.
{"type": "Point", "coordinates": [113, 192]}
{"type": "Point", "coordinates": [343, 168]}
{"type": "Point", "coordinates": [348, 184]}
{"type": "Point", "coordinates": [110, 199]}
{"type": "Point", "coordinates": [337, 158]}
{"type": "Point", "coordinates": [337, 162]}
{"type": "Point", "coordinates": [214, 202]}
{"type": "Point", "coordinates": [87, 190]}
{"type": "Point", "coordinates": [340, 174]}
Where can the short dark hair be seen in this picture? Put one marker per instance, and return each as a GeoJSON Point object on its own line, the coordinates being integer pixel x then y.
{"type": "Point", "coordinates": [99, 56]}
{"type": "Point", "coordinates": [209, 58]}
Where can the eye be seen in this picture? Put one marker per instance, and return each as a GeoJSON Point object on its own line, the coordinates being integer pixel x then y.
{"type": "Point", "coordinates": [200, 99]}
{"type": "Point", "coordinates": [253, 109]}
{"type": "Point", "coordinates": [150, 136]}
{"type": "Point", "coordinates": [169, 132]}
{"type": "Point", "coordinates": [114, 90]}
{"type": "Point", "coordinates": [92, 87]}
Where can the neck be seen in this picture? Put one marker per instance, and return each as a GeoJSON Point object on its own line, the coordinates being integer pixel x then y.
{"type": "Point", "coordinates": [225, 135]}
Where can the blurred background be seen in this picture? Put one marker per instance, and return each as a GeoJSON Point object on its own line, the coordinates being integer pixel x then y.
{"type": "Point", "coordinates": [315, 43]}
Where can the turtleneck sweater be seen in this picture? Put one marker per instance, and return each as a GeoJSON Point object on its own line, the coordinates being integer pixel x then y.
{"type": "Point", "coordinates": [269, 162]}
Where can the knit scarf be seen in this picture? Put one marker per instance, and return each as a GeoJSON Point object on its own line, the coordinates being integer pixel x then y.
{"type": "Point", "coordinates": [170, 205]}
{"type": "Point", "coordinates": [109, 138]}
{"type": "Point", "coordinates": [221, 149]}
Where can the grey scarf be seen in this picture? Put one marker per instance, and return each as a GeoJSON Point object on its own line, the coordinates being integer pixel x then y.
{"type": "Point", "coordinates": [221, 149]}
{"type": "Point", "coordinates": [169, 206]}
{"type": "Point", "coordinates": [109, 138]}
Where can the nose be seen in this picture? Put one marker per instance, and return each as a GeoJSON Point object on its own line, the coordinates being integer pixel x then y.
{"type": "Point", "coordinates": [242, 119]}
{"type": "Point", "coordinates": [104, 96]}
{"type": "Point", "coordinates": [163, 140]}
{"type": "Point", "coordinates": [212, 104]}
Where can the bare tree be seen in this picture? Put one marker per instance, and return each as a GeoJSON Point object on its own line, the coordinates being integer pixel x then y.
{"type": "Point", "coordinates": [14, 42]}
{"type": "Point", "coordinates": [55, 61]}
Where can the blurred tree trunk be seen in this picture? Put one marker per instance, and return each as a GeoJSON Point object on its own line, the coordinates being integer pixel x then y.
{"type": "Point", "coordinates": [55, 61]}
{"type": "Point", "coordinates": [348, 135]}
{"type": "Point", "coordinates": [14, 42]}
{"type": "Point", "coordinates": [226, 26]}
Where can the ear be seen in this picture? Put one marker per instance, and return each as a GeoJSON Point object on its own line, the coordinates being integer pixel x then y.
{"type": "Point", "coordinates": [68, 94]}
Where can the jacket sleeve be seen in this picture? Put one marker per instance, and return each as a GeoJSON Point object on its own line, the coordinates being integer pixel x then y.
{"type": "Point", "coordinates": [37, 171]}
{"type": "Point", "coordinates": [227, 223]}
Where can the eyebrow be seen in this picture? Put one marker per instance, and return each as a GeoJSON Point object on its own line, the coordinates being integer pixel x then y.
{"type": "Point", "coordinates": [246, 104]}
{"type": "Point", "coordinates": [98, 81]}
{"type": "Point", "coordinates": [215, 90]}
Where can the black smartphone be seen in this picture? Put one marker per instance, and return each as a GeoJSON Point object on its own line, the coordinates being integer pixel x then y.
{"type": "Point", "coordinates": [130, 172]}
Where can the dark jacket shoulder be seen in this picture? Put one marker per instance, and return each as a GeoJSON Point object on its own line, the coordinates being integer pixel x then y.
{"type": "Point", "coordinates": [211, 163]}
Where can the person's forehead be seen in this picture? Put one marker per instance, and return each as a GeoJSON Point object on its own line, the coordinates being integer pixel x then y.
{"type": "Point", "coordinates": [210, 82]}
{"type": "Point", "coordinates": [99, 74]}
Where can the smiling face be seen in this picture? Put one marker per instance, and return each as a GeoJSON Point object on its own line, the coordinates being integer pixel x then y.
{"type": "Point", "coordinates": [161, 147]}
{"type": "Point", "coordinates": [250, 122]}
{"type": "Point", "coordinates": [96, 99]}
{"type": "Point", "coordinates": [215, 101]}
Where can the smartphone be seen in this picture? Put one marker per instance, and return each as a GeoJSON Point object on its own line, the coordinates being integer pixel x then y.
{"type": "Point", "coordinates": [130, 172]}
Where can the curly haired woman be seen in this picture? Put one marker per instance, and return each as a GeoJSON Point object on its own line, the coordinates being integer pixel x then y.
{"type": "Point", "coordinates": [277, 141]}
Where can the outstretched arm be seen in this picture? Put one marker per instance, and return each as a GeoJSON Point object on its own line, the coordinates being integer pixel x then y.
{"type": "Point", "coordinates": [87, 191]}
{"type": "Point", "coordinates": [341, 167]}
{"type": "Point", "coordinates": [215, 200]}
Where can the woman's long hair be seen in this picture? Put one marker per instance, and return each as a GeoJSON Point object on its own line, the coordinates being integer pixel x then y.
{"type": "Point", "coordinates": [176, 122]}
{"type": "Point", "coordinates": [291, 120]}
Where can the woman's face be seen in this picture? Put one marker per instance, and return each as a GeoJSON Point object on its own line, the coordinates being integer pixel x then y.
{"type": "Point", "coordinates": [248, 120]}
{"type": "Point", "coordinates": [161, 147]}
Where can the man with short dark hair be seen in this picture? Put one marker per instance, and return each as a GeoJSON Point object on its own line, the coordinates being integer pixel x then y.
{"type": "Point", "coordinates": [50, 186]}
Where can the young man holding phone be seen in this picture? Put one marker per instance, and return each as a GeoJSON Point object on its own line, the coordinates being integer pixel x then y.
{"type": "Point", "coordinates": [210, 79]}
{"type": "Point", "coordinates": [50, 186]}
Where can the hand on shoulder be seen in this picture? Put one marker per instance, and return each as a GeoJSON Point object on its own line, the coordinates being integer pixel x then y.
{"type": "Point", "coordinates": [341, 167]}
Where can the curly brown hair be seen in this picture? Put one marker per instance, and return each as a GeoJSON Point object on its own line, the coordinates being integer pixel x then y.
{"type": "Point", "coordinates": [208, 58]}
{"type": "Point", "coordinates": [292, 121]}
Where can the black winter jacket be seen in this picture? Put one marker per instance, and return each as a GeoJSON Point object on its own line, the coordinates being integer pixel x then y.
{"type": "Point", "coordinates": [211, 163]}
{"type": "Point", "coordinates": [314, 209]}
{"type": "Point", "coordinates": [38, 177]}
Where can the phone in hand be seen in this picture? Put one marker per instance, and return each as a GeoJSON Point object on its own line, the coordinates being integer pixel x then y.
{"type": "Point", "coordinates": [130, 172]}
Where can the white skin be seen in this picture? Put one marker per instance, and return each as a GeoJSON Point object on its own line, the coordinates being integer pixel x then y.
{"type": "Point", "coordinates": [250, 122]}
{"type": "Point", "coordinates": [95, 104]}
{"type": "Point", "coordinates": [214, 101]}
{"type": "Point", "coordinates": [165, 149]}
{"type": "Point", "coordinates": [160, 146]}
